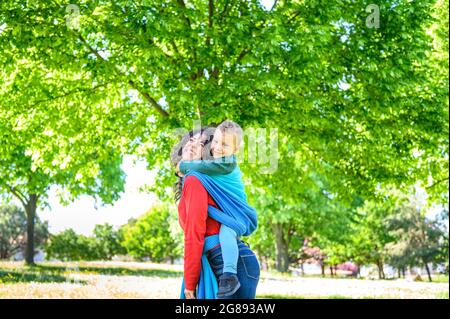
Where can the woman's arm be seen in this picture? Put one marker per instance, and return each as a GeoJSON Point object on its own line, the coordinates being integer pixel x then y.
{"type": "Point", "coordinates": [219, 166]}
{"type": "Point", "coordinates": [195, 199]}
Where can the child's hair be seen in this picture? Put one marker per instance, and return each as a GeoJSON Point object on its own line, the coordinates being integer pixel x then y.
{"type": "Point", "coordinates": [231, 127]}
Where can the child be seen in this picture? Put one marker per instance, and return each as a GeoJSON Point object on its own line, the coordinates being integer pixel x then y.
{"type": "Point", "coordinates": [225, 144]}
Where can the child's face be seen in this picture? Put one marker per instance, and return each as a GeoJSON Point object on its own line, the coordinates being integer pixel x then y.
{"type": "Point", "coordinates": [224, 144]}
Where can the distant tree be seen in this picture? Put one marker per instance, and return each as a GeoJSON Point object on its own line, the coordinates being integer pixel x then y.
{"type": "Point", "coordinates": [13, 231]}
{"type": "Point", "coordinates": [369, 235]}
{"type": "Point", "coordinates": [108, 241]}
{"type": "Point", "coordinates": [419, 240]}
{"type": "Point", "coordinates": [150, 236]}
{"type": "Point", "coordinates": [310, 254]}
{"type": "Point", "coordinates": [68, 245]}
{"type": "Point", "coordinates": [442, 222]}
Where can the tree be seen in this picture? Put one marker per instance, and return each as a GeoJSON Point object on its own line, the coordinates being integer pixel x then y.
{"type": "Point", "coordinates": [287, 217]}
{"type": "Point", "coordinates": [27, 171]}
{"type": "Point", "coordinates": [442, 224]}
{"type": "Point", "coordinates": [109, 241]}
{"type": "Point", "coordinates": [67, 245]}
{"type": "Point", "coordinates": [13, 231]}
{"type": "Point", "coordinates": [310, 254]}
{"type": "Point", "coordinates": [369, 234]}
{"type": "Point", "coordinates": [151, 237]}
{"type": "Point", "coordinates": [419, 240]}
{"type": "Point", "coordinates": [365, 107]}
{"type": "Point", "coordinates": [103, 245]}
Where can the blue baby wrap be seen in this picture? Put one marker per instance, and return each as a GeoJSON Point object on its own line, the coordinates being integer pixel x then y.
{"type": "Point", "coordinates": [229, 194]}
{"type": "Point", "coordinates": [207, 285]}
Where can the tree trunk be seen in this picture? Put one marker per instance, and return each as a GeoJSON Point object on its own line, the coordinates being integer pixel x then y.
{"type": "Point", "coordinates": [403, 272]}
{"type": "Point", "coordinates": [428, 271]}
{"type": "Point", "coordinates": [282, 249]}
{"type": "Point", "coordinates": [331, 271]}
{"type": "Point", "coordinates": [322, 267]}
{"type": "Point", "coordinates": [380, 269]}
{"type": "Point", "coordinates": [3, 254]}
{"type": "Point", "coordinates": [302, 268]}
{"type": "Point", "coordinates": [30, 209]}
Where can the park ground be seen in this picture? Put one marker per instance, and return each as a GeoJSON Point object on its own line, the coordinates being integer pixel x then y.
{"type": "Point", "coordinates": [147, 280]}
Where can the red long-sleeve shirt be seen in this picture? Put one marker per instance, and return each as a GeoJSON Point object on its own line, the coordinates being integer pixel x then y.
{"type": "Point", "coordinates": [193, 218]}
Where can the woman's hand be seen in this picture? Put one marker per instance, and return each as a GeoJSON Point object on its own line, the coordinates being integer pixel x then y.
{"type": "Point", "coordinates": [189, 294]}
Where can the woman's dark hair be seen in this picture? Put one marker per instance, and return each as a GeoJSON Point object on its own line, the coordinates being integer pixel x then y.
{"type": "Point", "coordinates": [207, 134]}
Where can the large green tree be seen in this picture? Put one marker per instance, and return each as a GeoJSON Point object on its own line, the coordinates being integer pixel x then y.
{"type": "Point", "coordinates": [363, 106]}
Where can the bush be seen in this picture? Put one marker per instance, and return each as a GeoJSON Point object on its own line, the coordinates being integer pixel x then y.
{"type": "Point", "coordinates": [69, 246]}
{"type": "Point", "coordinates": [151, 237]}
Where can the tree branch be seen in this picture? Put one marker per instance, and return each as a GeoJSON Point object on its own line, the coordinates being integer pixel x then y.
{"type": "Point", "coordinates": [188, 22]}
{"type": "Point", "coordinates": [294, 16]}
{"type": "Point", "coordinates": [436, 183]}
{"type": "Point", "coordinates": [18, 194]}
{"type": "Point", "coordinates": [130, 82]}
{"type": "Point", "coordinates": [274, 5]}
{"type": "Point", "coordinates": [210, 13]}
{"type": "Point", "coordinates": [151, 100]}
{"type": "Point", "coordinates": [68, 94]}
{"type": "Point", "coordinates": [242, 54]}
{"type": "Point", "coordinates": [210, 20]}
{"type": "Point", "coordinates": [224, 11]}
{"type": "Point", "coordinates": [174, 47]}
{"type": "Point", "coordinates": [183, 5]}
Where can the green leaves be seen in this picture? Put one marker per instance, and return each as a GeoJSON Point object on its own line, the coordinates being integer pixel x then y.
{"type": "Point", "coordinates": [13, 228]}
{"type": "Point", "coordinates": [151, 236]}
{"type": "Point", "coordinates": [354, 104]}
{"type": "Point", "coordinates": [69, 246]}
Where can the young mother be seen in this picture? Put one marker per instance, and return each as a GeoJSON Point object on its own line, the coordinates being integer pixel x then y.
{"type": "Point", "coordinates": [197, 225]}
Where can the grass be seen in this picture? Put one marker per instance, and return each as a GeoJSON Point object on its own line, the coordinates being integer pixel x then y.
{"type": "Point", "coordinates": [111, 271]}
{"type": "Point", "coordinates": [442, 295]}
{"type": "Point", "coordinates": [440, 279]}
{"type": "Point", "coordinates": [146, 280]}
{"type": "Point", "coordinates": [279, 296]}
{"type": "Point", "coordinates": [11, 277]}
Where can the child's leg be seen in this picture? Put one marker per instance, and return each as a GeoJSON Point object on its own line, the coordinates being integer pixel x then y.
{"type": "Point", "coordinates": [230, 251]}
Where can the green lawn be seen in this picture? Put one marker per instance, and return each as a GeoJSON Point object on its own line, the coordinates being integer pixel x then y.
{"type": "Point", "coordinates": [147, 280]}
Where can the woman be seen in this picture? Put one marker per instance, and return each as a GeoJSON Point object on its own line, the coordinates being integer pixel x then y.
{"type": "Point", "coordinates": [197, 225]}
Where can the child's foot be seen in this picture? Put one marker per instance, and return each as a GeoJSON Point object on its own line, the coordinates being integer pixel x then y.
{"type": "Point", "coordinates": [228, 285]}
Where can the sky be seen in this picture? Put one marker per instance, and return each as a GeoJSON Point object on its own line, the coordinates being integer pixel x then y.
{"type": "Point", "coordinates": [82, 215]}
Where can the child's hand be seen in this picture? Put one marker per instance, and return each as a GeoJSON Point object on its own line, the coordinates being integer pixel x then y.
{"type": "Point", "coordinates": [178, 170]}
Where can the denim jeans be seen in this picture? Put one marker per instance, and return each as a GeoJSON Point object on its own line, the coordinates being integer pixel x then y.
{"type": "Point", "coordinates": [248, 270]}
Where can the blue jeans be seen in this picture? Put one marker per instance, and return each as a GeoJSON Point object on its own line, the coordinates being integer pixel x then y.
{"type": "Point", "coordinates": [248, 270]}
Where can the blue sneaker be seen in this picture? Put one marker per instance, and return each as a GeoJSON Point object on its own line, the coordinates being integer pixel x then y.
{"type": "Point", "coordinates": [228, 285]}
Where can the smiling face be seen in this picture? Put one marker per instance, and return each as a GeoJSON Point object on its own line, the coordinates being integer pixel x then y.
{"type": "Point", "coordinates": [224, 144]}
{"type": "Point", "coordinates": [193, 149]}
